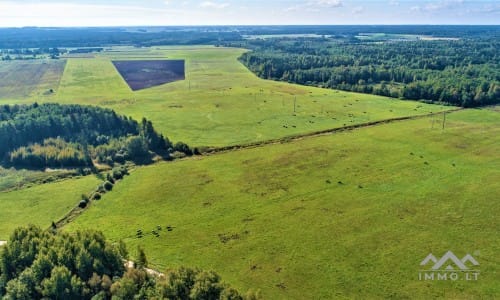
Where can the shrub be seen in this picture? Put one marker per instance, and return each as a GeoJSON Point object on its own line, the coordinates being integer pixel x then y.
{"type": "Point", "coordinates": [108, 186]}
{"type": "Point", "coordinates": [28, 272]}
{"type": "Point", "coordinates": [184, 148]}
{"type": "Point", "coordinates": [119, 158]}
{"type": "Point", "coordinates": [85, 198]}
{"type": "Point", "coordinates": [124, 170]}
{"type": "Point", "coordinates": [185, 283]}
{"type": "Point", "coordinates": [117, 174]}
{"type": "Point", "coordinates": [137, 147]}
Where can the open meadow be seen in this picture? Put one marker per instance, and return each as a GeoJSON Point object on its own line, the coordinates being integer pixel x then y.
{"type": "Point", "coordinates": [350, 214]}
{"type": "Point", "coordinates": [220, 102]}
{"type": "Point", "coordinates": [346, 215]}
{"type": "Point", "coordinates": [41, 204]}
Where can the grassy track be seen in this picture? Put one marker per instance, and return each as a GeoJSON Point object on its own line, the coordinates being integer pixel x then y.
{"type": "Point", "coordinates": [345, 215]}
{"type": "Point", "coordinates": [221, 102]}
{"type": "Point", "coordinates": [42, 204]}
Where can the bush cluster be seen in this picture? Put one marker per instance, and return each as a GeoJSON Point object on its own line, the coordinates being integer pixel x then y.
{"type": "Point", "coordinates": [37, 264]}
{"type": "Point", "coordinates": [74, 136]}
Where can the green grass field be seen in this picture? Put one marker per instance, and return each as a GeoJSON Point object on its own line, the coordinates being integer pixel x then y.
{"type": "Point", "coordinates": [41, 204]}
{"type": "Point", "coordinates": [348, 215]}
{"type": "Point", "coordinates": [11, 179]}
{"type": "Point", "coordinates": [221, 102]}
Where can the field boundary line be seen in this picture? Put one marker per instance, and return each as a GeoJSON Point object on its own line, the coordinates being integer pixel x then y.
{"type": "Point", "coordinates": [295, 137]}
{"type": "Point", "coordinates": [77, 211]}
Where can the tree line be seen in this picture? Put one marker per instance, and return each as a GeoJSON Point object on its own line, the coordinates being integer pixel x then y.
{"type": "Point", "coordinates": [459, 72]}
{"type": "Point", "coordinates": [38, 264]}
{"type": "Point", "coordinates": [37, 37]}
{"type": "Point", "coordinates": [70, 136]}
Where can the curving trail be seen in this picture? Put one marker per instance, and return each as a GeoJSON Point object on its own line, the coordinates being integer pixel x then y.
{"type": "Point", "coordinates": [130, 265]}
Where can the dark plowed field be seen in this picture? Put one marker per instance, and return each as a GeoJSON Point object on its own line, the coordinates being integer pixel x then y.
{"type": "Point", "coordinates": [143, 74]}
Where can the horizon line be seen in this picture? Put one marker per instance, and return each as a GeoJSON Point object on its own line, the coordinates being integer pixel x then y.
{"type": "Point", "coordinates": [239, 25]}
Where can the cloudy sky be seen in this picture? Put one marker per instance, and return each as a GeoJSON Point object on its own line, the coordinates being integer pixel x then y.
{"type": "Point", "coordinates": [16, 13]}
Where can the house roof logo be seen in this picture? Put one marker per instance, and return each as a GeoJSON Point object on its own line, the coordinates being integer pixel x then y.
{"type": "Point", "coordinates": [449, 262]}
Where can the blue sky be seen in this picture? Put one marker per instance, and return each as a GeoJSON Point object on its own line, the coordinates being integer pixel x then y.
{"type": "Point", "coordinates": [16, 13]}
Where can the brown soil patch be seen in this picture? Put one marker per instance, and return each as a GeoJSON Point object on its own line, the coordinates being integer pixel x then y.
{"type": "Point", "coordinates": [143, 74]}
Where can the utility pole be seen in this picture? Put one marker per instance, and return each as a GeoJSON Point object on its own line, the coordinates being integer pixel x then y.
{"type": "Point", "coordinates": [444, 118]}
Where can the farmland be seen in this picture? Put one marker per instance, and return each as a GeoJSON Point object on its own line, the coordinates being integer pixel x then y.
{"type": "Point", "coordinates": [27, 79]}
{"type": "Point", "coordinates": [345, 215]}
{"type": "Point", "coordinates": [218, 95]}
{"type": "Point", "coordinates": [348, 214]}
{"type": "Point", "coordinates": [149, 73]}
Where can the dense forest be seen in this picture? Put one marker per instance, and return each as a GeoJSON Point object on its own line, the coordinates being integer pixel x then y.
{"type": "Point", "coordinates": [37, 264]}
{"type": "Point", "coordinates": [74, 136]}
{"type": "Point", "coordinates": [463, 72]}
{"type": "Point", "coordinates": [34, 37]}
{"type": "Point", "coordinates": [31, 37]}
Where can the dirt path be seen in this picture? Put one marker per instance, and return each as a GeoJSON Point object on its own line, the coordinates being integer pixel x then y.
{"type": "Point", "coordinates": [130, 264]}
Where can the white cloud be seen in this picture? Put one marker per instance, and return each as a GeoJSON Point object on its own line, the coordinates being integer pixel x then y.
{"type": "Point", "coordinates": [72, 14]}
{"type": "Point", "coordinates": [210, 4]}
{"type": "Point", "coordinates": [487, 9]}
{"type": "Point", "coordinates": [443, 4]}
{"type": "Point", "coordinates": [358, 10]}
{"type": "Point", "coordinates": [415, 8]}
{"type": "Point", "coordinates": [293, 8]}
{"type": "Point", "coordinates": [315, 5]}
{"type": "Point", "coordinates": [220, 12]}
{"type": "Point", "coordinates": [326, 3]}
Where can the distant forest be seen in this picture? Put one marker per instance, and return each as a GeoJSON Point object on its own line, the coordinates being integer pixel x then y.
{"type": "Point", "coordinates": [75, 136]}
{"type": "Point", "coordinates": [464, 72]}
{"type": "Point", "coordinates": [35, 37]}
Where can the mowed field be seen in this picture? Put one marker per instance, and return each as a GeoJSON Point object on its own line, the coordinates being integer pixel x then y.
{"type": "Point", "coordinates": [221, 102]}
{"type": "Point", "coordinates": [30, 79]}
{"type": "Point", "coordinates": [347, 215]}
